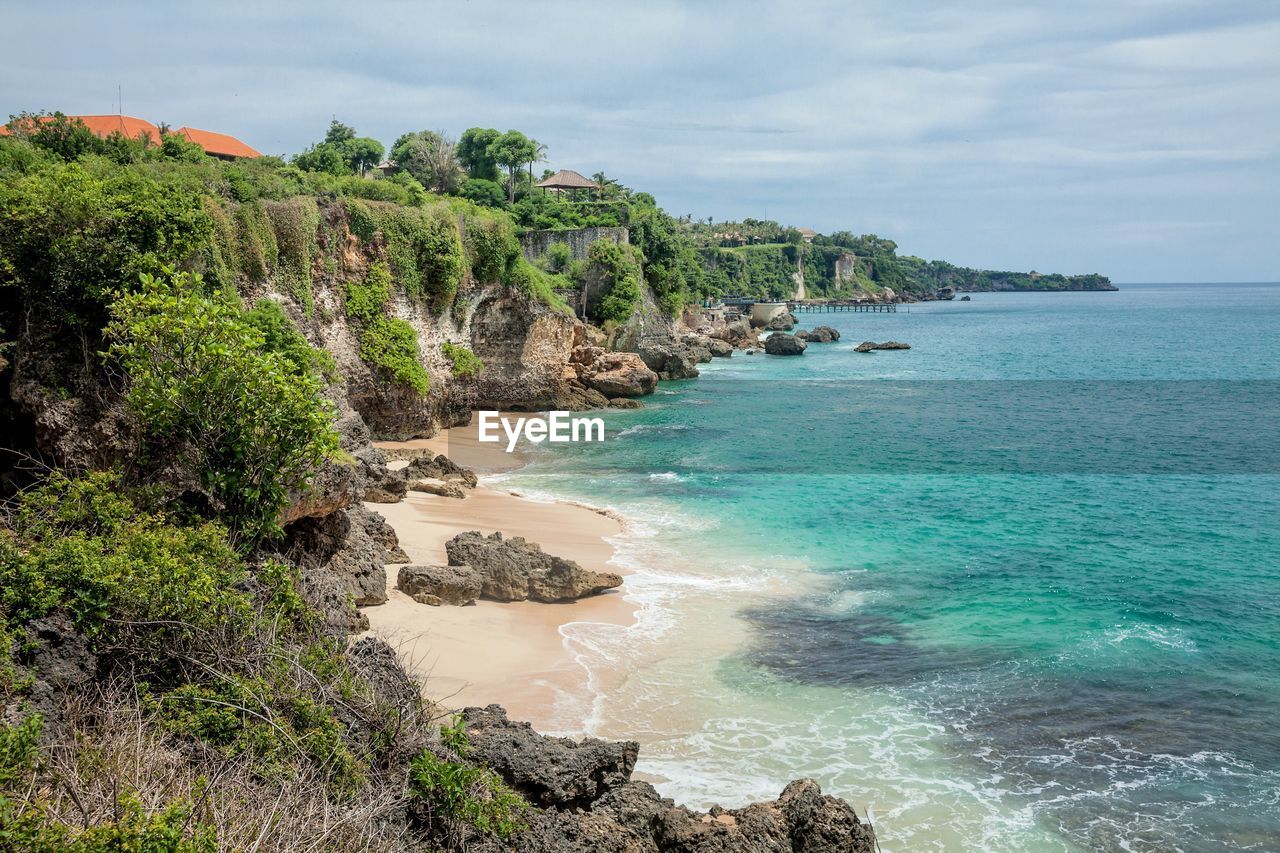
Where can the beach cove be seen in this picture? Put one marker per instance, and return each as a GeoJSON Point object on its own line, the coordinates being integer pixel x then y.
{"type": "Point", "coordinates": [885, 631]}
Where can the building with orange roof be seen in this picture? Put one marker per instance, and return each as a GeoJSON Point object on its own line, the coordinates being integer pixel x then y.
{"type": "Point", "coordinates": [219, 145]}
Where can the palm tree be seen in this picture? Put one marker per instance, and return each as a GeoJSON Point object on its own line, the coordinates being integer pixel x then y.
{"type": "Point", "coordinates": [539, 156]}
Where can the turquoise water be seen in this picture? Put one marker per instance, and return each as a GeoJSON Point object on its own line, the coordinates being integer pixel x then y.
{"type": "Point", "coordinates": [1037, 613]}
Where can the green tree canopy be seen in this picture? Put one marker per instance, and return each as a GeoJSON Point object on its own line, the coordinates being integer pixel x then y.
{"type": "Point", "coordinates": [473, 153]}
{"type": "Point", "coordinates": [512, 150]}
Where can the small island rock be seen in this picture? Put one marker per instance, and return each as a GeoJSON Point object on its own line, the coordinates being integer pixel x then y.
{"type": "Point", "coordinates": [780, 343]}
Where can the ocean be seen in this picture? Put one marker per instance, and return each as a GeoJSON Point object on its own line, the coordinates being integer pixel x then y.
{"type": "Point", "coordinates": [1016, 588]}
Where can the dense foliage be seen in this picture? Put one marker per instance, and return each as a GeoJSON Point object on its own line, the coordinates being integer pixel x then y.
{"type": "Point", "coordinates": [207, 388]}
{"type": "Point", "coordinates": [465, 363]}
{"type": "Point", "coordinates": [388, 343]}
{"type": "Point", "coordinates": [619, 266]}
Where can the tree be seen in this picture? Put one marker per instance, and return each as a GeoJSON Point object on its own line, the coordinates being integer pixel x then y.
{"type": "Point", "coordinates": [65, 136]}
{"type": "Point", "coordinates": [339, 133]}
{"type": "Point", "coordinates": [473, 153]}
{"type": "Point", "coordinates": [362, 152]}
{"type": "Point", "coordinates": [341, 152]}
{"type": "Point", "coordinates": [512, 150]}
{"type": "Point", "coordinates": [539, 156]}
{"type": "Point", "coordinates": [431, 157]}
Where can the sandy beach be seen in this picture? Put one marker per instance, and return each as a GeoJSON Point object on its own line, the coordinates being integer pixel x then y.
{"type": "Point", "coordinates": [509, 653]}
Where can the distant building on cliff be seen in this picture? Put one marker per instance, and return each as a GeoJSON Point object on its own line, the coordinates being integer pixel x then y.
{"type": "Point", "coordinates": [220, 145]}
{"type": "Point", "coordinates": [807, 234]}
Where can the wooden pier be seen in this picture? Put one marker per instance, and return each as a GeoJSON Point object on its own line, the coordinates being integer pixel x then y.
{"type": "Point", "coordinates": [825, 307]}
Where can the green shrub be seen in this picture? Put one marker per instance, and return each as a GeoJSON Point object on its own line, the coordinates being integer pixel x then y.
{"type": "Point", "coordinates": [70, 238]}
{"type": "Point", "coordinates": [360, 219]}
{"type": "Point", "coordinates": [388, 343]}
{"type": "Point", "coordinates": [204, 383]}
{"type": "Point", "coordinates": [537, 285]}
{"type": "Point", "coordinates": [558, 257]}
{"type": "Point", "coordinates": [83, 547]}
{"type": "Point", "coordinates": [483, 192]}
{"type": "Point", "coordinates": [391, 344]}
{"type": "Point", "coordinates": [367, 300]}
{"type": "Point", "coordinates": [256, 248]}
{"type": "Point", "coordinates": [281, 336]}
{"type": "Point", "coordinates": [620, 265]}
{"type": "Point", "coordinates": [492, 246]}
{"type": "Point", "coordinates": [454, 791]}
{"type": "Point", "coordinates": [293, 224]}
{"type": "Point", "coordinates": [465, 362]}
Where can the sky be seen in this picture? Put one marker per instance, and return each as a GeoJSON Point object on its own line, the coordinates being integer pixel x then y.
{"type": "Point", "coordinates": [1135, 138]}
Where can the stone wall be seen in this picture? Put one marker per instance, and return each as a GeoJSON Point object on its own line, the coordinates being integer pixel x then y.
{"type": "Point", "coordinates": [536, 243]}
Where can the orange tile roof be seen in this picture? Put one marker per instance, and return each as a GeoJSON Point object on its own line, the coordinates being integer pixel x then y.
{"type": "Point", "coordinates": [217, 143]}
{"type": "Point", "coordinates": [213, 143]}
{"type": "Point", "coordinates": [128, 125]}
{"type": "Point", "coordinates": [104, 126]}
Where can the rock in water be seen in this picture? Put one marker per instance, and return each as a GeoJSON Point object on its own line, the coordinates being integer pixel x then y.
{"type": "Point", "coordinates": [719, 348]}
{"type": "Point", "coordinates": [516, 570]}
{"type": "Point", "coordinates": [619, 374]}
{"type": "Point", "coordinates": [780, 343]}
{"type": "Point", "coordinates": [587, 802]}
{"type": "Point", "coordinates": [459, 585]}
{"type": "Point", "coordinates": [819, 335]}
{"type": "Point", "coordinates": [868, 346]}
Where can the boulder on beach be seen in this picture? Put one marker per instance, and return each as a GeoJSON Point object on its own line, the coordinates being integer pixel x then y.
{"type": "Point", "coordinates": [780, 343]}
{"type": "Point", "coordinates": [432, 486]}
{"type": "Point", "coordinates": [868, 346]}
{"type": "Point", "coordinates": [436, 585]}
{"type": "Point", "coordinates": [440, 467]}
{"type": "Point", "coordinates": [819, 335]}
{"type": "Point", "coordinates": [516, 570]}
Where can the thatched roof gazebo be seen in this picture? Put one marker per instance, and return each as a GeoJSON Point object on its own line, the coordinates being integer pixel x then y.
{"type": "Point", "coordinates": [567, 180]}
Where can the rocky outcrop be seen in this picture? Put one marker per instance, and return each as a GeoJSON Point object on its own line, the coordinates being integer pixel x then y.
{"type": "Point", "coordinates": [587, 802]}
{"type": "Point", "coordinates": [441, 467]}
{"type": "Point", "coordinates": [437, 487]}
{"type": "Point", "coordinates": [698, 347]}
{"type": "Point", "coordinates": [738, 334]}
{"type": "Point", "coordinates": [549, 772]}
{"type": "Point", "coordinates": [819, 335]}
{"type": "Point", "coordinates": [525, 348]}
{"type": "Point", "coordinates": [614, 374]}
{"type": "Point", "coordinates": [868, 346]}
{"type": "Point", "coordinates": [436, 585]}
{"type": "Point", "coordinates": [342, 557]}
{"type": "Point", "coordinates": [784, 322]}
{"type": "Point", "coordinates": [56, 661]}
{"type": "Point", "coordinates": [516, 570]}
{"type": "Point", "coordinates": [780, 343]}
{"type": "Point", "coordinates": [719, 348]}
{"type": "Point", "coordinates": [669, 359]}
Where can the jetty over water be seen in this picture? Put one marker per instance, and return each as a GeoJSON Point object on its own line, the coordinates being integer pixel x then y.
{"type": "Point", "coordinates": [813, 306]}
{"type": "Point", "coordinates": [842, 305]}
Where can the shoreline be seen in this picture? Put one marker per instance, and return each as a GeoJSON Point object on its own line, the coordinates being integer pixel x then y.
{"type": "Point", "coordinates": [515, 654]}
